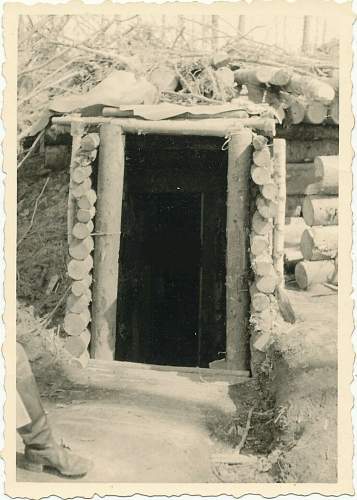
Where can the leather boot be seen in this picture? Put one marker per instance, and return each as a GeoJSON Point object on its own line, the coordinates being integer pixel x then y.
{"type": "Point", "coordinates": [41, 450]}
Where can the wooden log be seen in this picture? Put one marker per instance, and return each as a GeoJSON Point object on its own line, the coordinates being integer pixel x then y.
{"type": "Point", "coordinates": [327, 169]}
{"type": "Point", "coordinates": [262, 265]}
{"type": "Point", "coordinates": [260, 175]}
{"type": "Point", "coordinates": [310, 273]}
{"type": "Point", "coordinates": [206, 127]}
{"type": "Point", "coordinates": [313, 89]}
{"type": "Point", "coordinates": [79, 174]}
{"type": "Point", "coordinates": [237, 294]}
{"type": "Point", "coordinates": [259, 244]}
{"type": "Point", "coordinates": [84, 215]}
{"type": "Point", "coordinates": [259, 301]}
{"type": "Point", "coordinates": [320, 211]}
{"type": "Point", "coordinates": [76, 304]}
{"type": "Point", "coordinates": [293, 231]}
{"type": "Point", "coordinates": [319, 243]}
{"type": "Point", "coordinates": [264, 321]}
{"type": "Point", "coordinates": [90, 142]}
{"type": "Point", "coordinates": [87, 200]}
{"type": "Point", "coordinates": [80, 249]}
{"type": "Point", "coordinates": [77, 130]}
{"type": "Point", "coordinates": [334, 112]}
{"type": "Point", "coordinates": [260, 225]}
{"type": "Point", "coordinates": [292, 255]}
{"type": "Point", "coordinates": [259, 142]}
{"type": "Point", "coordinates": [81, 361]}
{"type": "Point", "coordinates": [82, 287]}
{"type": "Point", "coordinates": [280, 77]}
{"type": "Point", "coordinates": [315, 113]}
{"type": "Point", "coordinates": [262, 158]}
{"type": "Point", "coordinates": [80, 189]}
{"type": "Point", "coordinates": [293, 206]}
{"type": "Point", "coordinates": [82, 230]}
{"type": "Point", "coordinates": [296, 111]}
{"type": "Point", "coordinates": [74, 323]}
{"type": "Point", "coordinates": [259, 75]}
{"type": "Point", "coordinates": [279, 153]}
{"type": "Point", "coordinates": [284, 304]}
{"type": "Point", "coordinates": [106, 256]}
{"type": "Point", "coordinates": [267, 283]}
{"type": "Point", "coordinates": [269, 191]}
{"type": "Point", "coordinates": [75, 345]}
{"type": "Point", "coordinates": [78, 269]}
{"type": "Point", "coordinates": [225, 77]}
{"type": "Point", "coordinates": [311, 178]}
{"type": "Point", "coordinates": [266, 208]}
{"type": "Point", "coordinates": [299, 176]}
{"type": "Point", "coordinates": [303, 151]}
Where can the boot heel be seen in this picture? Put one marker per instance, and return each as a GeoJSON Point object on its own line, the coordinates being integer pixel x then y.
{"type": "Point", "coordinates": [33, 467]}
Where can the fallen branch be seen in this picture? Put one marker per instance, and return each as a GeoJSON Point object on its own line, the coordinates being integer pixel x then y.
{"type": "Point", "coordinates": [32, 148]}
{"type": "Point", "coordinates": [246, 431]}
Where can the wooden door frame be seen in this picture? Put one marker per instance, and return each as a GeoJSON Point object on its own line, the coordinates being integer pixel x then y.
{"type": "Point", "coordinates": [108, 222]}
{"type": "Point", "coordinates": [107, 248]}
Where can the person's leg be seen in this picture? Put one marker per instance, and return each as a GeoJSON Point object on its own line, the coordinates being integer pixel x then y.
{"type": "Point", "coordinates": [41, 450]}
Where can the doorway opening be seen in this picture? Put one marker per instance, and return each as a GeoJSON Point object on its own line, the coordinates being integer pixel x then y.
{"type": "Point", "coordinates": [171, 289]}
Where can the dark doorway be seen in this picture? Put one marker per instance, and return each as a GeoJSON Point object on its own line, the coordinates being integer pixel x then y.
{"type": "Point", "coordinates": [171, 292]}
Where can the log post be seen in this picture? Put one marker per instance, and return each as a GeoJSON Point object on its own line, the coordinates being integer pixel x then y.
{"type": "Point", "coordinates": [237, 262]}
{"type": "Point", "coordinates": [106, 256]}
{"type": "Point", "coordinates": [279, 151]}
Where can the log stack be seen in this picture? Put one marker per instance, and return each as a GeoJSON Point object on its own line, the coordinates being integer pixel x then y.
{"type": "Point", "coordinates": [312, 200]}
{"type": "Point", "coordinates": [300, 99]}
{"type": "Point", "coordinates": [82, 200]}
{"type": "Point", "coordinates": [319, 241]}
{"type": "Point", "coordinates": [266, 248]}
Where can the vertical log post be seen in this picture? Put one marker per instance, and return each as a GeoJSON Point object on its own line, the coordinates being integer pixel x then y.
{"type": "Point", "coordinates": [237, 262]}
{"type": "Point", "coordinates": [279, 152]}
{"type": "Point", "coordinates": [106, 256]}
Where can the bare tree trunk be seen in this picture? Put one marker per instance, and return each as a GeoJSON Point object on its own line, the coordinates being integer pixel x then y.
{"type": "Point", "coordinates": [307, 35]}
{"type": "Point", "coordinates": [242, 25]}
{"type": "Point", "coordinates": [214, 39]}
{"type": "Point", "coordinates": [324, 31]}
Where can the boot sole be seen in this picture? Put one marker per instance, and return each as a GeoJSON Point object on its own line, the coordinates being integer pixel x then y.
{"type": "Point", "coordinates": [33, 467]}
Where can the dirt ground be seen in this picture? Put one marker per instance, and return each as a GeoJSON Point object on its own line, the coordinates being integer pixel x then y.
{"type": "Point", "coordinates": [147, 439]}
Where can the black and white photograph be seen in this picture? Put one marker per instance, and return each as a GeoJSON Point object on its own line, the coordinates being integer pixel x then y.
{"type": "Point", "coordinates": [177, 246]}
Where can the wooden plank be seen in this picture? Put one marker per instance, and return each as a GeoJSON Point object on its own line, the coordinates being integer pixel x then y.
{"type": "Point", "coordinates": [106, 256]}
{"type": "Point", "coordinates": [237, 263]}
{"type": "Point", "coordinates": [117, 366]}
{"type": "Point", "coordinates": [205, 127]}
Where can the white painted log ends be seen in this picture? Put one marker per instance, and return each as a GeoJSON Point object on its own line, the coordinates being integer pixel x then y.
{"type": "Point", "coordinates": [80, 243]}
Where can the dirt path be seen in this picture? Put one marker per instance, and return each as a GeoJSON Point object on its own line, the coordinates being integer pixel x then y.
{"type": "Point", "coordinates": [129, 441]}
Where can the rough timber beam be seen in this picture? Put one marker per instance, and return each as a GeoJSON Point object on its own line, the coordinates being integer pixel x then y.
{"type": "Point", "coordinates": [107, 229]}
{"type": "Point", "coordinates": [237, 261]}
{"type": "Point", "coordinates": [219, 127]}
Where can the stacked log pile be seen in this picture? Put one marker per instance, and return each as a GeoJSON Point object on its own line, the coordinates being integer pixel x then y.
{"type": "Point", "coordinates": [319, 240]}
{"type": "Point", "coordinates": [81, 211]}
{"type": "Point", "coordinates": [266, 243]}
{"type": "Point", "coordinates": [298, 98]}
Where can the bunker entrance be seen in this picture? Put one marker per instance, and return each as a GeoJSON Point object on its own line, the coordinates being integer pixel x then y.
{"type": "Point", "coordinates": [171, 289]}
